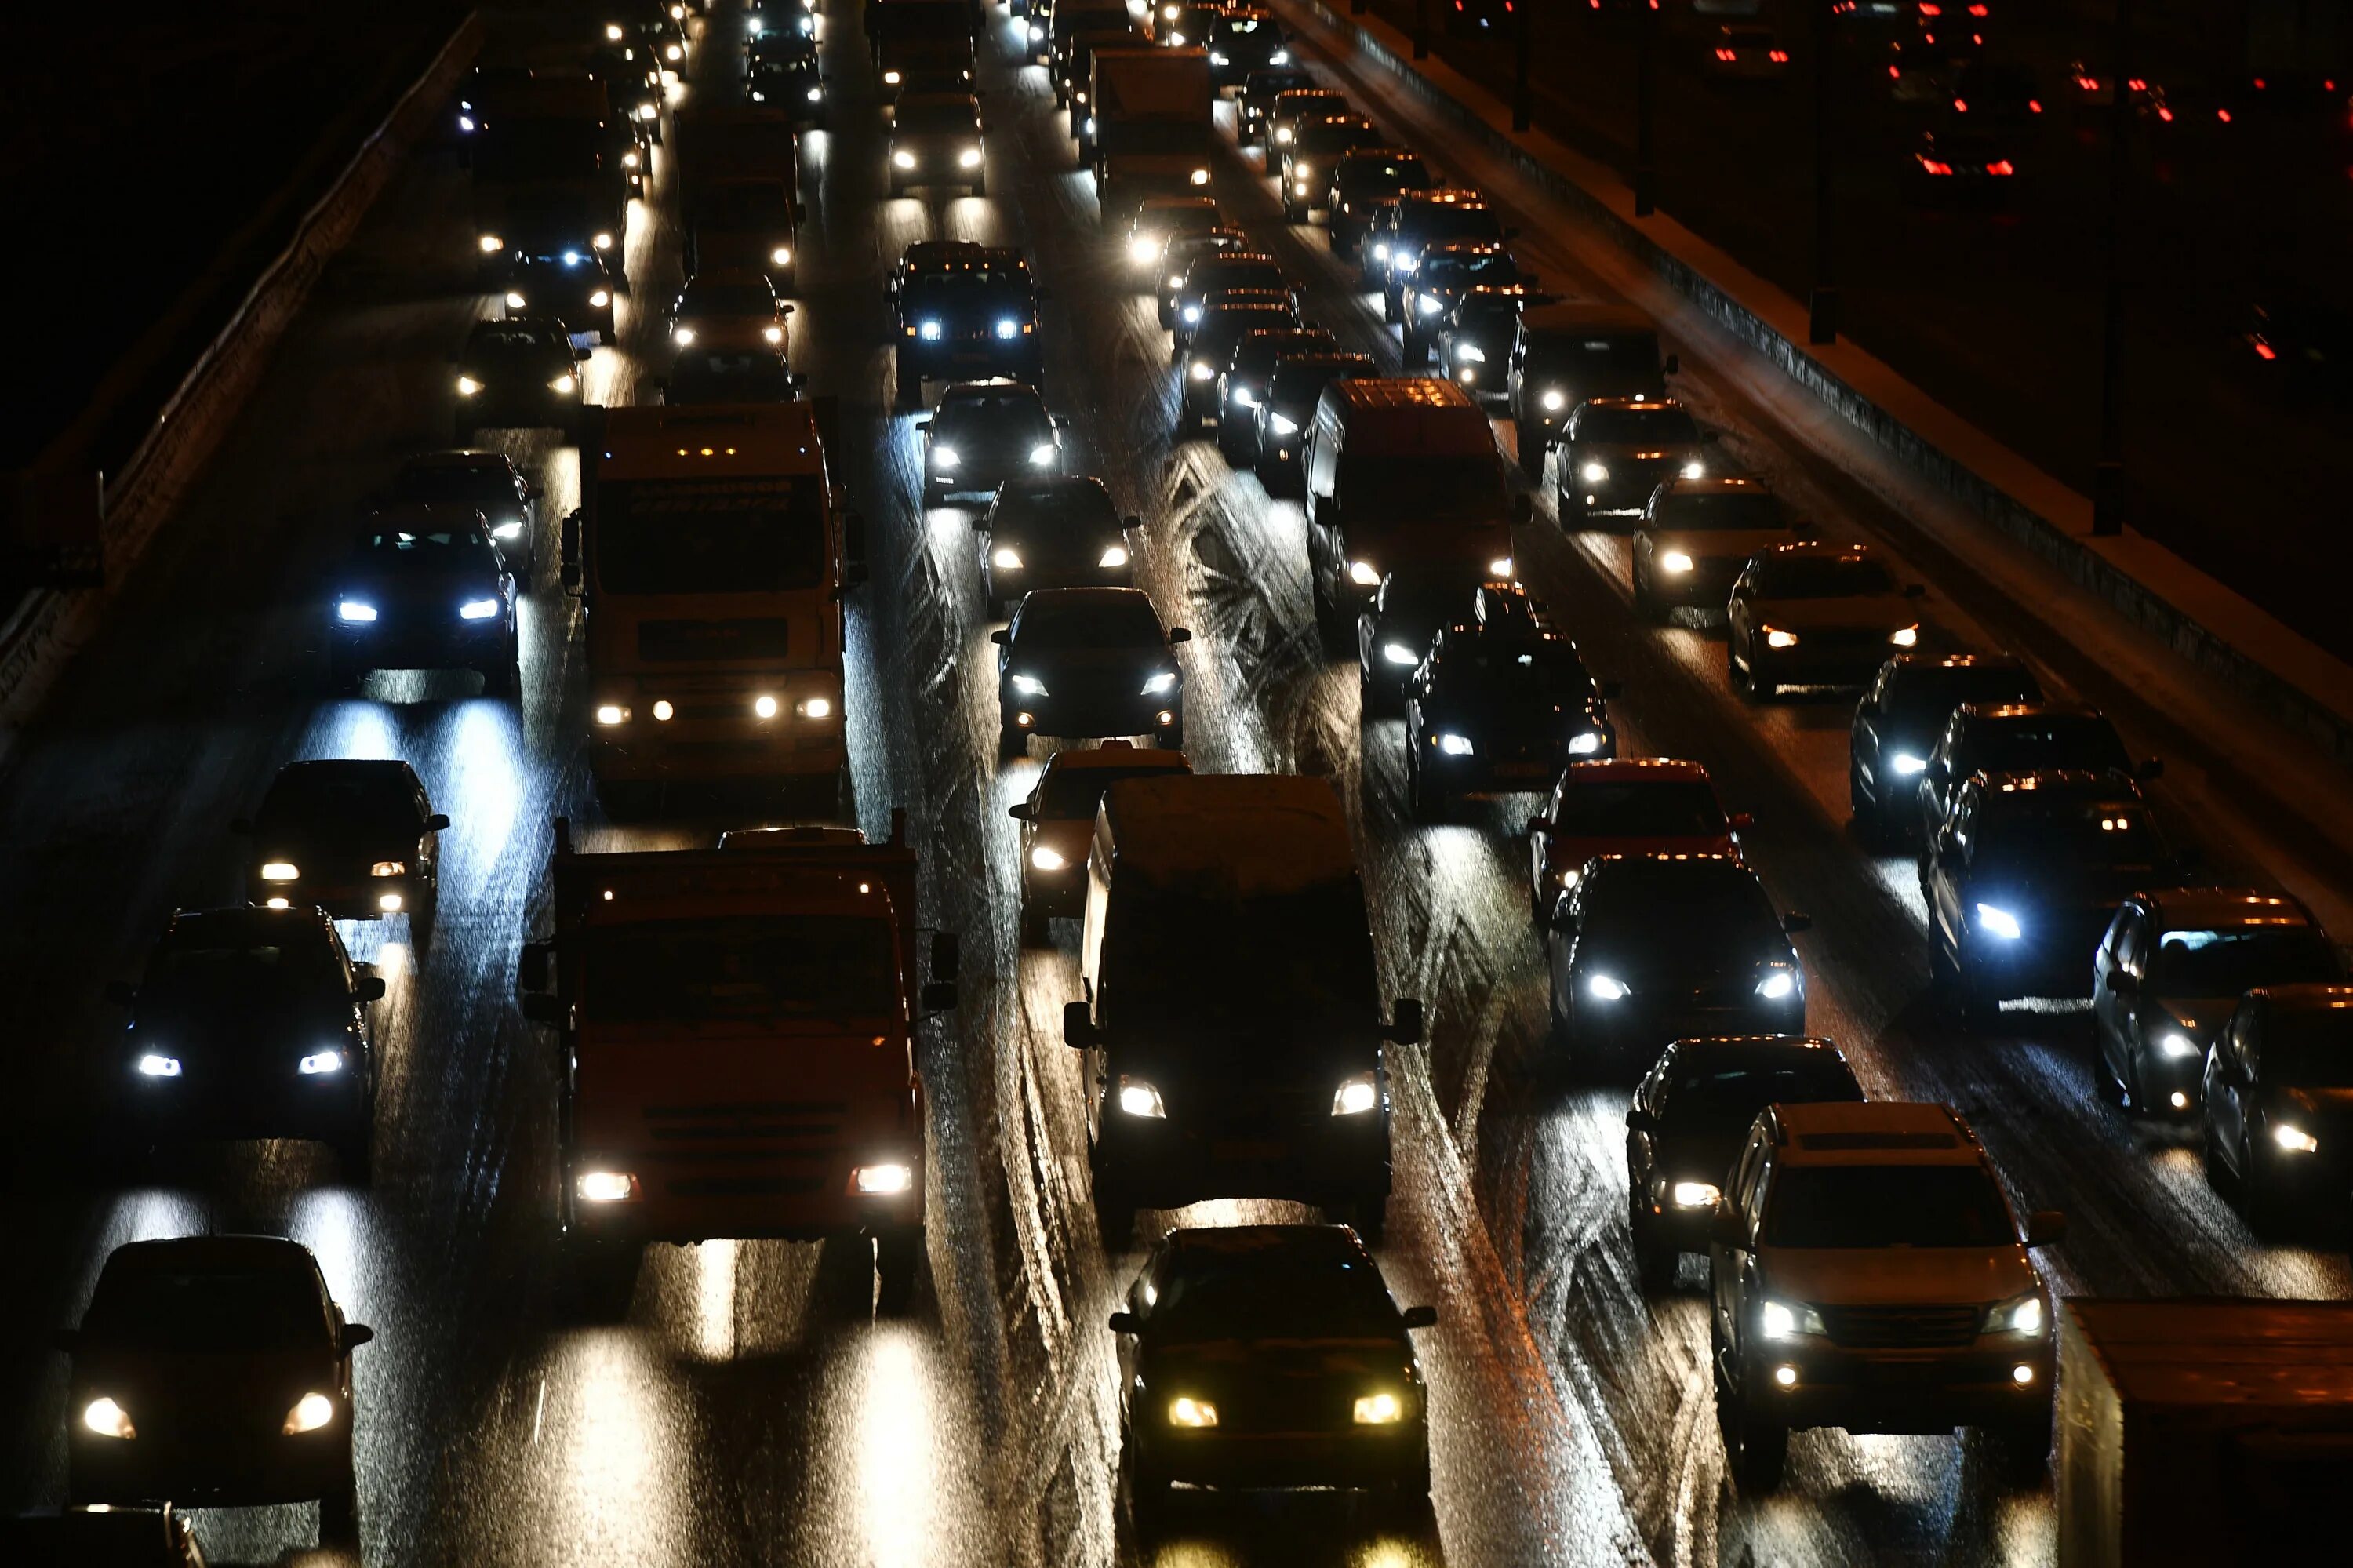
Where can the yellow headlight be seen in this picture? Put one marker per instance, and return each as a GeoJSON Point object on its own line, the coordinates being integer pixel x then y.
{"type": "Point", "coordinates": [1186, 1411]}
{"type": "Point", "coordinates": [311, 1412]}
{"type": "Point", "coordinates": [279, 871]}
{"type": "Point", "coordinates": [108, 1419]}
{"type": "Point", "coordinates": [1379, 1410]}
{"type": "Point", "coordinates": [389, 868]}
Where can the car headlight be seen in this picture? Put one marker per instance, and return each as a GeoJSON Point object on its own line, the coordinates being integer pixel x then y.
{"type": "Point", "coordinates": [1380, 251]}
{"type": "Point", "coordinates": [1906, 764]}
{"type": "Point", "coordinates": [1007, 327]}
{"type": "Point", "coordinates": [1905, 637]}
{"type": "Point", "coordinates": [649, 111]}
{"type": "Point", "coordinates": [1429, 305]}
{"type": "Point", "coordinates": [929, 332]}
{"type": "Point", "coordinates": [2023, 1315]}
{"type": "Point", "coordinates": [765, 705]}
{"type": "Point", "coordinates": [467, 386]}
{"type": "Point", "coordinates": [1220, 58]}
{"type": "Point", "coordinates": [673, 52]}
{"type": "Point", "coordinates": [1042, 455]}
{"type": "Point", "coordinates": [319, 1063]}
{"type": "Point", "coordinates": [1694, 1194]}
{"type": "Point", "coordinates": [1779, 1320]}
{"type": "Point", "coordinates": [1005, 558]}
{"type": "Point", "coordinates": [1280, 57]}
{"type": "Point", "coordinates": [1201, 176]}
{"type": "Point", "coordinates": [601, 240]}
{"type": "Point", "coordinates": [629, 160]}
{"type": "Point", "coordinates": [1036, 34]}
{"type": "Point", "coordinates": [563, 384]}
{"type": "Point", "coordinates": [682, 335]}
{"type": "Point", "coordinates": [2179, 1045]}
{"type": "Point", "coordinates": [1186, 1411]}
{"type": "Point", "coordinates": [610, 713]}
{"type": "Point", "coordinates": [814, 707]}
{"type": "Point", "coordinates": [773, 333]}
{"type": "Point", "coordinates": [945, 457]}
{"type": "Point", "coordinates": [1777, 638]}
{"type": "Point", "coordinates": [1595, 472]}
{"type": "Point", "coordinates": [1164, 681]}
{"type": "Point", "coordinates": [2294, 1140]}
{"type": "Point", "coordinates": [2001, 923]}
{"type": "Point", "coordinates": [600, 299]}
{"type": "Point", "coordinates": [492, 244]}
{"type": "Point", "coordinates": [1283, 424]}
{"type": "Point", "coordinates": [108, 1419]}
{"type": "Point", "coordinates": [1778, 985]}
{"type": "Point", "coordinates": [1356, 1095]}
{"type": "Point", "coordinates": [1407, 264]}
{"type": "Point", "coordinates": [1046, 859]}
{"type": "Point", "coordinates": [389, 868]}
{"type": "Point", "coordinates": [1398, 653]}
{"type": "Point", "coordinates": [1695, 470]}
{"type": "Point", "coordinates": [478, 609]}
{"type": "Point", "coordinates": [904, 160]}
{"type": "Point", "coordinates": [1027, 685]}
{"type": "Point", "coordinates": [1453, 745]}
{"type": "Point", "coordinates": [155, 1064]}
{"type": "Point", "coordinates": [1144, 248]}
{"type": "Point", "coordinates": [1675, 563]}
{"type": "Point", "coordinates": [356, 611]}
{"type": "Point", "coordinates": [1244, 398]}
{"type": "Point", "coordinates": [816, 95]}
{"type": "Point", "coordinates": [968, 159]}
{"type": "Point", "coordinates": [1501, 566]}
{"type": "Point", "coordinates": [1192, 312]}
{"type": "Point", "coordinates": [1586, 745]}
{"type": "Point", "coordinates": [1138, 1098]}
{"type": "Point", "coordinates": [1114, 555]}
{"type": "Point", "coordinates": [1303, 173]}
{"type": "Point", "coordinates": [606, 1186]}
{"type": "Point", "coordinates": [1469, 353]}
{"type": "Point", "coordinates": [1606, 988]}
{"type": "Point", "coordinates": [1553, 401]}
{"type": "Point", "coordinates": [280, 871]}
{"type": "Point", "coordinates": [1364, 573]}
{"type": "Point", "coordinates": [1202, 369]}
{"type": "Point", "coordinates": [1282, 138]}
{"type": "Point", "coordinates": [882, 1181]}
{"type": "Point", "coordinates": [1379, 1410]}
{"type": "Point", "coordinates": [663, 711]}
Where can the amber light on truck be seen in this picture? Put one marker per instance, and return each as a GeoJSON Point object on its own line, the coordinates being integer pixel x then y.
{"type": "Point", "coordinates": [882, 1180]}
{"type": "Point", "coordinates": [606, 1186]}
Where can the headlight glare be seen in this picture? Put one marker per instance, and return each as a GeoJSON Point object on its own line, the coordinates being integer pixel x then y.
{"type": "Point", "coordinates": [1453, 745]}
{"type": "Point", "coordinates": [355, 611]}
{"type": "Point", "coordinates": [1114, 556]}
{"type": "Point", "coordinates": [319, 1063]}
{"type": "Point", "coordinates": [1595, 472]}
{"type": "Point", "coordinates": [1005, 558]}
{"type": "Point", "coordinates": [1184, 1410]}
{"type": "Point", "coordinates": [2294, 1140]}
{"type": "Point", "coordinates": [478, 609]}
{"type": "Point", "coordinates": [1694, 1194]}
{"type": "Point", "coordinates": [606, 1186]}
{"type": "Point", "coordinates": [279, 871]}
{"type": "Point", "coordinates": [1398, 653]}
{"type": "Point", "coordinates": [1364, 573]}
{"type": "Point", "coordinates": [1042, 455]}
{"type": "Point", "coordinates": [1046, 859]}
{"type": "Point", "coordinates": [1907, 765]}
{"type": "Point", "coordinates": [108, 1419]}
{"type": "Point", "coordinates": [1139, 1098]}
{"type": "Point", "coordinates": [1778, 985]}
{"type": "Point", "coordinates": [1998, 922]}
{"type": "Point", "coordinates": [154, 1064]}
{"type": "Point", "coordinates": [1553, 402]}
{"type": "Point", "coordinates": [1356, 1095]}
{"type": "Point", "coordinates": [882, 1181]}
{"type": "Point", "coordinates": [1606, 988]}
{"type": "Point", "coordinates": [1379, 1410]}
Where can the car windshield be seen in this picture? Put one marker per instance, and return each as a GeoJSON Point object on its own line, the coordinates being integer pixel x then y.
{"type": "Point", "coordinates": [1450, 271]}
{"type": "Point", "coordinates": [196, 1309]}
{"type": "Point", "coordinates": [1329, 135]}
{"type": "Point", "coordinates": [1273, 1296]}
{"type": "Point", "coordinates": [1729, 512]}
{"type": "Point", "coordinates": [361, 797]}
{"type": "Point", "coordinates": [1936, 690]}
{"type": "Point", "coordinates": [2311, 1051]}
{"type": "Point", "coordinates": [992, 418]}
{"type": "Point", "coordinates": [1658, 427]}
{"type": "Point", "coordinates": [1050, 623]}
{"type": "Point", "coordinates": [968, 291]}
{"type": "Point", "coordinates": [727, 300]}
{"type": "Point", "coordinates": [935, 120]}
{"type": "Point", "coordinates": [1512, 665]}
{"type": "Point", "coordinates": [2054, 740]}
{"type": "Point", "coordinates": [1679, 906]}
{"type": "Point", "coordinates": [199, 968]}
{"type": "Point", "coordinates": [2029, 835]}
{"type": "Point", "coordinates": [1719, 1100]}
{"type": "Point", "coordinates": [2205, 962]}
{"type": "Point", "coordinates": [764, 967]}
{"type": "Point", "coordinates": [1361, 175]}
{"type": "Point", "coordinates": [1593, 364]}
{"type": "Point", "coordinates": [1886, 1206]}
{"type": "Point", "coordinates": [729, 378]}
{"type": "Point", "coordinates": [717, 535]}
{"type": "Point", "coordinates": [1822, 576]}
{"type": "Point", "coordinates": [1224, 273]}
{"type": "Point", "coordinates": [1424, 488]}
{"type": "Point", "coordinates": [514, 343]}
{"type": "Point", "coordinates": [1069, 793]}
{"type": "Point", "coordinates": [1067, 511]}
{"type": "Point", "coordinates": [1663, 809]}
{"type": "Point", "coordinates": [1437, 222]}
{"type": "Point", "coordinates": [437, 549]}
{"type": "Point", "coordinates": [429, 483]}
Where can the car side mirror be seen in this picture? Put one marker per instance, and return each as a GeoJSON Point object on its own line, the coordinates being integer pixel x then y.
{"type": "Point", "coordinates": [1131, 521]}
{"type": "Point", "coordinates": [1793, 923]}
{"type": "Point", "coordinates": [923, 424]}
{"type": "Point", "coordinates": [122, 993]}
{"type": "Point", "coordinates": [1562, 917]}
{"type": "Point", "coordinates": [437, 823]}
{"type": "Point", "coordinates": [1178, 635]}
{"type": "Point", "coordinates": [531, 966]}
{"type": "Point", "coordinates": [240, 824]}
{"type": "Point", "coordinates": [939, 996]}
{"type": "Point", "coordinates": [980, 523]}
{"type": "Point", "coordinates": [2046, 1227]}
{"type": "Point", "coordinates": [1079, 1030]}
{"type": "Point", "coordinates": [2122, 982]}
{"type": "Point", "coordinates": [1126, 1323]}
{"type": "Point", "coordinates": [1002, 636]}
{"type": "Point", "coordinates": [1418, 1318]}
{"type": "Point", "coordinates": [544, 1007]}
{"type": "Point", "coordinates": [1405, 1023]}
{"type": "Point", "coordinates": [1671, 366]}
{"type": "Point", "coordinates": [1725, 1227]}
{"type": "Point", "coordinates": [1524, 507]}
{"type": "Point", "coordinates": [1740, 822]}
{"type": "Point", "coordinates": [1018, 810]}
{"type": "Point", "coordinates": [1641, 1120]}
{"type": "Point", "coordinates": [582, 353]}
{"type": "Point", "coordinates": [1949, 855]}
{"type": "Point", "coordinates": [368, 988]}
{"type": "Point", "coordinates": [1538, 825]}
{"type": "Point", "coordinates": [2151, 770]}
{"type": "Point", "coordinates": [356, 1335]}
{"type": "Point", "coordinates": [1915, 590]}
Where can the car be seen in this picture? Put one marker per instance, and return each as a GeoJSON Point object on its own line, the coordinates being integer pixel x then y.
{"type": "Point", "coordinates": [1361, 178]}
{"type": "Point", "coordinates": [982, 433]}
{"type": "Point", "coordinates": [1406, 613]}
{"type": "Point", "coordinates": [488, 481]}
{"type": "Point", "coordinates": [1243, 39]}
{"type": "Point", "coordinates": [1816, 614]}
{"type": "Point", "coordinates": [782, 68]}
{"type": "Point", "coordinates": [700, 377]}
{"type": "Point", "coordinates": [249, 1024]}
{"type": "Point", "coordinates": [729, 308]}
{"type": "Point", "coordinates": [1420, 220]}
{"type": "Point", "coordinates": [357, 838]}
{"type": "Point", "coordinates": [1292, 105]}
{"type": "Point", "coordinates": [1568, 353]}
{"type": "Point", "coordinates": [1177, 263]}
{"type": "Point", "coordinates": [1260, 90]}
{"type": "Point", "coordinates": [1962, 164]}
{"type": "Point", "coordinates": [1900, 717]}
{"type": "Point", "coordinates": [1696, 535]}
{"type": "Point", "coordinates": [1182, 23]}
{"type": "Point", "coordinates": [962, 309]}
{"type": "Point", "coordinates": [1745, 51]}
{"type": "Point", "coordinates": [1058, 824]}
{"type": "Point", "coordinates": [1265, 1356]}
{"type": "Point", "coordinates": [1289, 407]}
{"type": "Point", "coordinates": [2171, 969]}
{"type": "Point", "coordinates": [1446, 272]}
{"type": "Point", "coordinates": [1646, 948]}
{"type": "Point", "coordinates": [1497, 708]}
{"type": "Point", "coordinates": [2300, 336]}
{"type": "Point", "coordinates": [2016, 737]}
{"type": "Point", "coordinates": [2278, 1092]}
{"type": "Point", "coordinates": [935, 141]}
{"type": "Point", "coordinates": [1224, 318]}
{"type": "Point", "coordinates": [1089, 662]}
{"type": "Point", "coordinates": [1248, 373]}
{"type": "Point", "coordinates": [2023, 879]}
{"type": "Point", "coordinates": [2003, 95]}
{"type": "Point", "coordinates": [521, 373]}
{"type": "Point", "coordinates": [1303, 168]}
{"type": "Point", "coordinates": [1687, 1121]}
{"type": "Point", "coordinates": [1623, 806]}
{"type": "Point", "coordinates": [1160, 219]}
{"type": "Point", "coordinates": [101, 1537]}
{"type": "Point", "coordinates": [426, 589]}
{"type": "Point", "coordinates": [215, 1371]}
{"type": "Point", "coordinates": [1866, 1272]}
{"type": "Point", "coordinates": [572, 286]}
{"type": "Point", "coordinates": [1615, 451]}
{"type": "Point", "coordinates": [1217, 272]}
{"type": "Point", "coordinates": [1474, 334]}
{"type": "Point", "coordinates": [1053, 530]}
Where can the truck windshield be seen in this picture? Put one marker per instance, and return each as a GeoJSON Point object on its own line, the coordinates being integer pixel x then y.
{"type": "Point", "coordinates": [1597, 364]}
{"type": "Point", "coordinates": [537, 149]}
{"type": "Point", "coordinates": [1294, 967]}
{"type": "Point", "coordinates": [1413, 489]}
{"type": "Point", "coordinates": [762, 967]}
{"type": "Point", "coordinates": [747, 535]}
{"type": "Point", "coordinates": [1886, 1206]}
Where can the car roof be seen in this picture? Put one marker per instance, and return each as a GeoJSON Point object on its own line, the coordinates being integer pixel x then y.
{"type": "Point", "coordinates": [2174, 907]}
{"type": "Point", "coordinates": [1084, 598]}
{"type": "Point", "coordinates": [1872, 1132]}
{"type": "Point", "coordinates": [1567, 316]}
{"type": "Point", "coordinates": [1242, 1241]}
{"type": "Point", "coordinates": [245, 922]}
{"type": "Point", "coordinates": [823, 834]}
{"type": "Point", "coordinates": [2080, 782]}
{"type": "Point", "coordinates": [1742, 1050]}
{"type": "Point", "coordinates": [1033, 487]}
{"type": "Point", "coordinates": [1444, 196]}
{"type": "Point", "coordinates": [2310, 998]}
{"type": "Point", "coordinates": [213, 1253]}
{"type": "Point", "coordinates": [1634, 769]}
{"type": "Point", "coordinates": [1117, 754]}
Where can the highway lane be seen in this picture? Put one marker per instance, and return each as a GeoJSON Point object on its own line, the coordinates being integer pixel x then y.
{"type": "Point", "coordinates": [744, 1413]}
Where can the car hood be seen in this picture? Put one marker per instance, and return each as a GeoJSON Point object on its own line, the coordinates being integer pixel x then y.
{"type": "Point", "coordinates": [1895, 1277]}
{"type": "Point", "coordinates": [1719, 543]}
{"type": "Point", "coordinates": [413, 584]}
{"type": "Point", "coordinates": [1216, 1365]}
{"type": "Point", "coordinates": [1859, 613]}
{"type": "Point", "coordinates": [1708, 963]}
{"type": "Point", "coordinates": [2201, 1015]}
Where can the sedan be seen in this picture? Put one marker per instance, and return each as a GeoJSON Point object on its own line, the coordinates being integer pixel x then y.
{"type": "Point", "coordinates": [2279, 1104]}
{"type": "Point", "coordinates": [357, 838]}
{"type": "Point", "coordinates": [729, 307]}
{"type": "Point", "coordinates": [426, 589]}
{"type": "Point", "coordinates": [1897, 723]}
{"type": "Point", "coordinates": [486, 482]}
{"type": "Point", "coordinates": [1058, 824]}
{"type": "Point", "coordinates": [1498, 712]}
{"type": "Point", "coordinates": [982, 433]}
{"type": "Point", "coordinates": [1624, 805]}
{"type": "Point", "coordinates": [574, 287]}
{"type": "Point", "coordinates": [1053, 531]}
{"type": "Point", "coordinates": [521, 374]}
{"type": "Point", "coordinates": [1695, 537]}
{"type": "Point", "coordinates": [1820, 615]}
{"type": "Point", "coordinates": [1615, 451]}
{"type": "Point", "coordinates": [1088, 664]}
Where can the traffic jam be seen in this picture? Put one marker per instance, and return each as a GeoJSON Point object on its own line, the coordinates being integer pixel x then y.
{"type": "Point", "coordinates": [1051, 805]}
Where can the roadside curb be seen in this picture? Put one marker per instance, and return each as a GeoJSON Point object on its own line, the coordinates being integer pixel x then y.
{"type": "Point", "coordinates": [46, 629]}
{"type": "Point", "coordinates": [2289, 681]}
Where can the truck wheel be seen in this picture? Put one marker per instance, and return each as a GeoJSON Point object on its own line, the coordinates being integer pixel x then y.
{"type": "Point", "coordinates": [339, 1510]}
{"type": "Point", "coordinates": [1755, 1451]}
{"type": "Point", "coordinates": [898, 1257]}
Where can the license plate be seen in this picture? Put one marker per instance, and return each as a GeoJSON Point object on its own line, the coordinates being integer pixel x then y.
{"type": "Point", "coordinates": [1523, 770]}
{"type": "Point", "coordinates": [1246, 1151]}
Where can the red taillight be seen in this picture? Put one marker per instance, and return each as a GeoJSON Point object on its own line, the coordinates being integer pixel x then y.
{"type": "Point", "coordinates": [2003, 168]}
{"type": "Point", "coordinates": [2087, 84]}
{"type": "Point", "coordinates": [2266, 350]}
{"type": "Point", "coordinates": [1929, 8]}
{"type": "Point", "coordinates": [2137, 84]}
{"type": "Point", "coordinates": [1779, 56]}
{"type": "Point", "coordinates": [2166, 115]}
{"type": "Point", "coordinates": [1960, 106]}
{"type": "Point", "coordinates": [1726, 55]}
{"type": "Point", "coordinates": [1934, 167]}
{"type": "Point", "coordinates": [1894, 74]}
{"type": "Point", "coordinates": [2223, 115]}
{"type": "Point", "coordinates": [2034, 106]}
{"type": "Point", "coordinates": [2259, 84]}
{"type": "Point", "coordinates": [1977, 11]}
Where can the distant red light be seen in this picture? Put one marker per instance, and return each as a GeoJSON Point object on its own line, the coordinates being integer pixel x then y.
{"type": "Point", "coordinates": [1960, 106]}
{"type": "Point", "coordinates": [2223, 115]}
{"type": "Point", "coordinates": [1934, 167]}
{"type": "Point", "coordinates": [1929, 8]}
{"type": "Point", "coordinates": [2136, 84]}
{"type": "Point", "coordinates": [2087, 84]}
{"type": "Point", "coordinates": [2034, 106]}
{"type": "Point", "coordinates": [2259, 84]}
{"type": "Point", "coordinates": [2003, 168]}
{"type": "Point", "coordinates": [2266, 350]}
{"type": "Point", "coordinates": [1894, 74]}
{"type": "Point", "coordinates": [1726, 55]}
{"type": "Point", "coordinates": [1977, 11]}
{"type": "Point", "coordinates": [2166, 115]}
{"type": "Point", "coordinates": [1779, 56]}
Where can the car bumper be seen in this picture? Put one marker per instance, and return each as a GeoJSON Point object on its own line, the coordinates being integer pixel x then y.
{"type": "Point", "coordinates": [459, 645]}
{"type": "Point", "coordinates": [521, 412]}
{"type": "Point", "coordinates": [1165, 1164]}
{"type": "Point", "coordinates": [2054, 965]}
{"type": "Point", "coordinates": [1366, 1457]}
{"type": "Point", "coordinates": [1051, 893]}
{"type": "Point", "coordinates": [980, 478]}
{"type": "Point", "coordinates": [210, 1468]}
{"type": "Point", "coordinates": [322, 1108]}
{"type": "Point", "coordinates": [1089, 720]}
{"type": "Point", "coordinates": [978, 357]}
{"type": "Point", "coordinates": [1903, 1392]}
{"type": "Point", "coordinates": [1832, 664]}
{"type": "Point", "coordinates": [1525, 774]}
{"type": "Point", "coordinates": [1011, 583]}
{"type": "Point", "coordinates": [690, 1197]}
{"type": "Point", "coordinates": [1624, 491]}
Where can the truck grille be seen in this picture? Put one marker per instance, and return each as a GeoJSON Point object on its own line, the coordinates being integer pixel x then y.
{"type": "Point", "coordinates": [694, 642]}
{"type": "Point", "coordinates": [1902, 1328]}
{"type": "Point", "coordinates": [804, 1125]}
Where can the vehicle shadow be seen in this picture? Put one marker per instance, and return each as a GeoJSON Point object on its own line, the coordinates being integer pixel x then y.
{"type": "Point", "coordinates": [1299, 1530]}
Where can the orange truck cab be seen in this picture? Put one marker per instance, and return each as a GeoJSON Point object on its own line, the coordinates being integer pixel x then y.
{"type": "Point", "coordinates": [737, 1033]}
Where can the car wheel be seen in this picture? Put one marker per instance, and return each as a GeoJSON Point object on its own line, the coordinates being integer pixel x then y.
{"type": "Point", "coordinates": [1760, 686]}
{"type": "Point", "coordinates": [1655, 1264]}
{"type": "Point", "coordinates": [420, 922]}
{"type": "Point", "coordinates": [504, 680]}
{"type": "Point", "coordinates": [1755, 1451]}
{"type": "Point", "coordinates": [1146, 1495]}
{"type": "Point", "coordinates": [1646, 601]}
{"type": "Point", "coordinates": [339, 1510]}
{"type": "Point", "coordinates": [1528, 446]}
{"type": "Point", "coordinates": [1569, 505]}
{"type": "Point", "coordinates": [897, 1258]}
{"type": "Point", "coordinates": [2218, 1174]}
{"type": "Point", "coordinates": [344, 679]}
{"type": "Point", "coordinates": [933, 494]}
